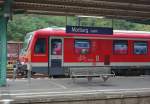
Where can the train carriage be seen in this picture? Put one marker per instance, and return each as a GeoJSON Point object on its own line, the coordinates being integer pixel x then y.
{"type": "Point", "coordinates": [53, 51]}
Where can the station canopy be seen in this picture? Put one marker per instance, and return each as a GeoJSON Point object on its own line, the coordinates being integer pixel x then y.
{"type": "Point", "coordinates": [130, 9]}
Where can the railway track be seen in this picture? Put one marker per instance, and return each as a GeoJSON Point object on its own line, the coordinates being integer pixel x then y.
{"type": "Point", "coordinates": [10, 75]}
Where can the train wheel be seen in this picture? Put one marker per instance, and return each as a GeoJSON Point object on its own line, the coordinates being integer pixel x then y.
{"type": "Point", "coordinates": [33, 73]}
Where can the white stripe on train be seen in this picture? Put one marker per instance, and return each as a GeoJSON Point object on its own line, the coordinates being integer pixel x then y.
{"type": "Point", "coordinates": [95, 64]}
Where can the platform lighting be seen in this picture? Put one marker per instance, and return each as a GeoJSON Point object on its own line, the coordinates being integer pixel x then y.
{"type": "Point", "coordinates": [93, 18]}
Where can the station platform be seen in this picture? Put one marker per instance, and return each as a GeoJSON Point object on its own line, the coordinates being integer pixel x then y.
{"type": "Point", "coordinates": [117, 90]}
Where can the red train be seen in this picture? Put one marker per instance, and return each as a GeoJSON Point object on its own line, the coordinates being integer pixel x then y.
{"type": "Point", "coordinates": [53, 51]}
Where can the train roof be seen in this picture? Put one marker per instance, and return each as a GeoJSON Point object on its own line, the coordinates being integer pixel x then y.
{"type": "Point", "coordinates": [54, 31]}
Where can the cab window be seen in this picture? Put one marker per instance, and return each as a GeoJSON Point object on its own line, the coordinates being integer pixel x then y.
{"type": "Point", "coordinates": [26, 42]}
{"type": "Point", "coordinates": [82, 46]}
{"type": "Point", "coordinates": [40, 46]}
{"type": "Point", "coordinates": [140, 48]}
{"type": "Point", "coordinates": [120, 47]}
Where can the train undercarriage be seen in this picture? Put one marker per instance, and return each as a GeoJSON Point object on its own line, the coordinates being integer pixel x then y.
{"type": "Point", "coordinates": [21, 70]}
{"type": "Point", "coordinates": [131, 71]}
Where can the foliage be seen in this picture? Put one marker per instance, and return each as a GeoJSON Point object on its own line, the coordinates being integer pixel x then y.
{"type": "Point", "coordinates": [23, 23]}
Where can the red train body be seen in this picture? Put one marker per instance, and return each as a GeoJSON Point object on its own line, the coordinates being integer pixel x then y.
{"type": "Point", "coordinates": [53, 50]}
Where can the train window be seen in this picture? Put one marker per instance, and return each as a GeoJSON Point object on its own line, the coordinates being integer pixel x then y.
{"type": "Point", "coordinates": [56, 47]}
{"type": "Point", "coordinates": [140, 47]}
{"type": "Point", "coordinates": [120, 47]}
{"type": "Point", "coordinates": [82, 46]}
{"type": "Point", "coordinates": [40, 46]}
{"type": "Point", "coordinates": [27, 40]}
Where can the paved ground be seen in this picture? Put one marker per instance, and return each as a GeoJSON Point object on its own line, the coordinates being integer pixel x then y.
{"type": "Point", "coordinates": [24, 88]}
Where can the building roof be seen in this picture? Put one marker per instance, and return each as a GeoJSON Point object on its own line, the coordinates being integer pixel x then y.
{"type": "Point", "coordinates": [138, 9]}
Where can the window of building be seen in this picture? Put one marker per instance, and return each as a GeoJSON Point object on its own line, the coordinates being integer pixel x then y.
{"type": "Point", "coordinates": [120, 47]}
{"type": "Point", "coordinates": [40, 46]}
{"type": "Point", "coordinates": [140, 47]}
{"type": "Point", "coordinates": [82, 46]}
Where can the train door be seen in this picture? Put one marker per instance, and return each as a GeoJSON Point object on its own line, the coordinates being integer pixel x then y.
{"type": "Point", "coordinates": [55, 56]}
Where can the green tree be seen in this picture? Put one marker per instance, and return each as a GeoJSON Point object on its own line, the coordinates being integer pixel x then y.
{"type": "Point", "coordinates": [24, 23]}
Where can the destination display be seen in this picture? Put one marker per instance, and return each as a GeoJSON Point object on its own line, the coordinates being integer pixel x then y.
{"type": "Point", "coordinates": [89, 30]}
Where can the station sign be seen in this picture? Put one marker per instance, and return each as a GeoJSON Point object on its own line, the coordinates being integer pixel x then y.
{"type": "Point", "coordinates": [89, 30]}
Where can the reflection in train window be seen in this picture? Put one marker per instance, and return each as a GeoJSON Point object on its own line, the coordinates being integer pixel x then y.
{"type": "Point", "coordinates": [120, 47]}
{"type": "Point", "coordinates": [82, 46]}
{"type": "Point", "coordinates": [140, 47]}
{"type": "Point", "coordinates": [56, 47]}
{"type": "Point", "coordinates": [40, 47]}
